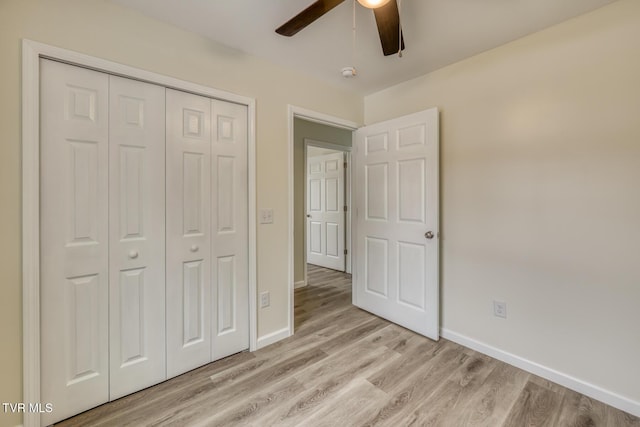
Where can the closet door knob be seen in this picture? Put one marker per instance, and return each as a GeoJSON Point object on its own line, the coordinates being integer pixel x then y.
{"type": "Point", "coordinates": [133, 254]}
{"type": "Point", "coordinates": [194, 248]}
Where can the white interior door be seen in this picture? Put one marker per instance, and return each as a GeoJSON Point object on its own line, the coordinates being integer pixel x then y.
{"type": "Point", "coordinates": [396, 167]}
{"type": "Point", "coordinates": [188, 265]}
{"type": "Point", "coordinates": [325, 211]}
{"type": "Point", "coordinates": [137, 235]}
{"type": "Point", "coordinates": [74, 233]}
{"type": "Point", "coordinates": [229, 209]}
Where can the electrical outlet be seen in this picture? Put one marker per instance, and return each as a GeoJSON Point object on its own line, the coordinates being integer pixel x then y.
{"type": "Point", "coordinates": [500, 309]}
{"type": "Point", "coordinates": [266, 216]}
{"type": "Point", "coordinates": [265, 299]}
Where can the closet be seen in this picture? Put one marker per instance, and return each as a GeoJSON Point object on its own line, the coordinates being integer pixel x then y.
{"type": "Point", "coordinates": [143, 235]}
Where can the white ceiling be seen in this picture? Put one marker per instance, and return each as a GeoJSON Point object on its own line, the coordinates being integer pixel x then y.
{"type": "Point", "coordinates": [436, 32]}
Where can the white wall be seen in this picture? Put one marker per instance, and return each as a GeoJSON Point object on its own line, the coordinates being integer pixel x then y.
{"type": "Point", "coordinates": [112, 32]}
{"type": "Point", "coordinates": [540, 158]}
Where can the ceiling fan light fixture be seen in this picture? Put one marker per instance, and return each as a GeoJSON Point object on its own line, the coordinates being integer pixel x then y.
{"type": "Point", "coordinates": [373, 4]}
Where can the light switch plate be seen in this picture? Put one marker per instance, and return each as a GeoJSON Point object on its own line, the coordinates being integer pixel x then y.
{"type": "Point", "coordinates": [266, 216]}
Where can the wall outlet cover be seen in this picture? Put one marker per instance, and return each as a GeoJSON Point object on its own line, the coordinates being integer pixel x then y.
{"type": "Point", "coordinates": [500, 309]}
{"type": "Point", "coordinates": [265, 299]}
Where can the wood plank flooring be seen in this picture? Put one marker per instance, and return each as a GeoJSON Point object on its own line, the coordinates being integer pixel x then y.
{"type": "Point", "coordinates": [346, 367]}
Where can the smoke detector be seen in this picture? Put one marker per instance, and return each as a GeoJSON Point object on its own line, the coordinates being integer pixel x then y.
{"type": "Point", "coordinates": [349, 72]}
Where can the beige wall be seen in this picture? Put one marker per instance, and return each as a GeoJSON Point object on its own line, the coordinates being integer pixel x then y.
{"type": "Point", "coordinates": [109, 31]}
{"type": "Point", "coordinates": [305, 129]}
{"type": "Point", "coordinates": [540, 143]}
{"type": "Point", "coordinates": [540, 165]}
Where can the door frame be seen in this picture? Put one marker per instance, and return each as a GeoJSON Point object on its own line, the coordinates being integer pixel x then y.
{"type": "Point", "coordinates": [32, 52]}
{"type": "Point", "coordinates": [316, 117]}
{"type": "Point", "coordinates": [309, 142]}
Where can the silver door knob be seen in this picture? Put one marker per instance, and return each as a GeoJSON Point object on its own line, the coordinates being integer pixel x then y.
{"type": "Point", "coordinates": [194, 248]}
{"type": "Point", "coordinates": [429, 235]}
{"type": "Point", "coordinates": [133, 254]}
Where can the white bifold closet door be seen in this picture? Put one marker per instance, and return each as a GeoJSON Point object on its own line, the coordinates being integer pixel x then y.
{"type": "Point", "coordinates": [207, 259]}
{"type": "Point", "coordinates": [188, 231]}
{"type": "Point", "coordinates": [229, 227]}
{"type": "Point", "coordinates": [137, 235]}
{"type": "Point", "coordinates": [144, 235]}
{"type": "Point", "coordinates": [74, 239]}
{"type": "Point", "coordinates": [102, 237]}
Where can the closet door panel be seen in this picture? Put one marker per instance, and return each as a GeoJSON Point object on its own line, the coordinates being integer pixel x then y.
{"type": "Point", "coordinates": [188, 119]}
{"type": "Point", "coordinates": [229, 219]}
{"type": "Point", "coordinates": [137, 235]}
{"type": "Point", "coordinates": [74, 239]}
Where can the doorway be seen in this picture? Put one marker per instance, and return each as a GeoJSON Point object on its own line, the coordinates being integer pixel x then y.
{"type": "Point", "coordinates": [396, 274]}
{"type": "Point", "coordinates": [319, 134]}
{"type": "Point", "coordinates": [328, 144]}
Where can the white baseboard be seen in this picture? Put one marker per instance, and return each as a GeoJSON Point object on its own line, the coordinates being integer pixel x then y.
{"type": "Point", "coordinates": [273, 337]}
{"type": "Point", "coordinates": [300, 284]}
{"type": "Point", "coordinates": [580, 386]}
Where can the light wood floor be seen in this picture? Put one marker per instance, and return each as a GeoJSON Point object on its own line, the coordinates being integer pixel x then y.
{"type": "Point", "coordinates": [346, 367]}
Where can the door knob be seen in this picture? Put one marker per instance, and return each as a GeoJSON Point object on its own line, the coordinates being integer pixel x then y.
{"type": "Point", "coordinates": [429, 235]}
{"type": "Point", "coordinates": [194, 248]}
{"type": "Point", "coordinates": [133, 254]}
{"type": "Point", "coordinates": [308, 215]}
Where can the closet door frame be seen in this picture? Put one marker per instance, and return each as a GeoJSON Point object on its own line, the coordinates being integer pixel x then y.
{"type": "Point", "coordinates": [32, 52]}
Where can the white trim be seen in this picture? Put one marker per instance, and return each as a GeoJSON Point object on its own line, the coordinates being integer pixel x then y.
{"type": "Point", "coordinates": [303, 113]}
{"type": "Point", "coordinates": [566, 380]}
{"type": "Point", "coordinates": [300, 284]}
{"type": "Point", "coordinates": [349, 202]}
{"type": "Point", "coordinates": [253, 236]}
{"type": "Point", "coordinates": [30, 230]}
{"type": "Point", "coordinates": [291, 216]}
{"type": "Point", "coordinates": [273, 337]}
{"type": "Point", "coordinates": [324, 119]}
{"type": "Point", "coordinates": [31, 54]}
{"type": "Point", "coordinates": [324, 144]}
{"type": "Point", "coordinates": [114, 68]}
{"type": "Point", "coordinates": [305, 253]}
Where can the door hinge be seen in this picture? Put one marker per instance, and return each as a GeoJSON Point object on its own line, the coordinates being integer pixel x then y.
{"type": "Point", "coordinates": [345, 208]}
{"type": "Point", "coordinates": [345, 165]}
{"type": "Point", "coordinates": [346, 251]}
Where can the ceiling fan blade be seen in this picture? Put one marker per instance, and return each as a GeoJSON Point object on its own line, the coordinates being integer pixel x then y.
{"type": "Point", "coordinates": [307, 16]}
{"type": "Point", "coordinates": [388, 20]}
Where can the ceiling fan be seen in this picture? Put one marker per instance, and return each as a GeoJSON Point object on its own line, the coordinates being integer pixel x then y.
{"type": "Point", "coordinates": [385, 11]}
